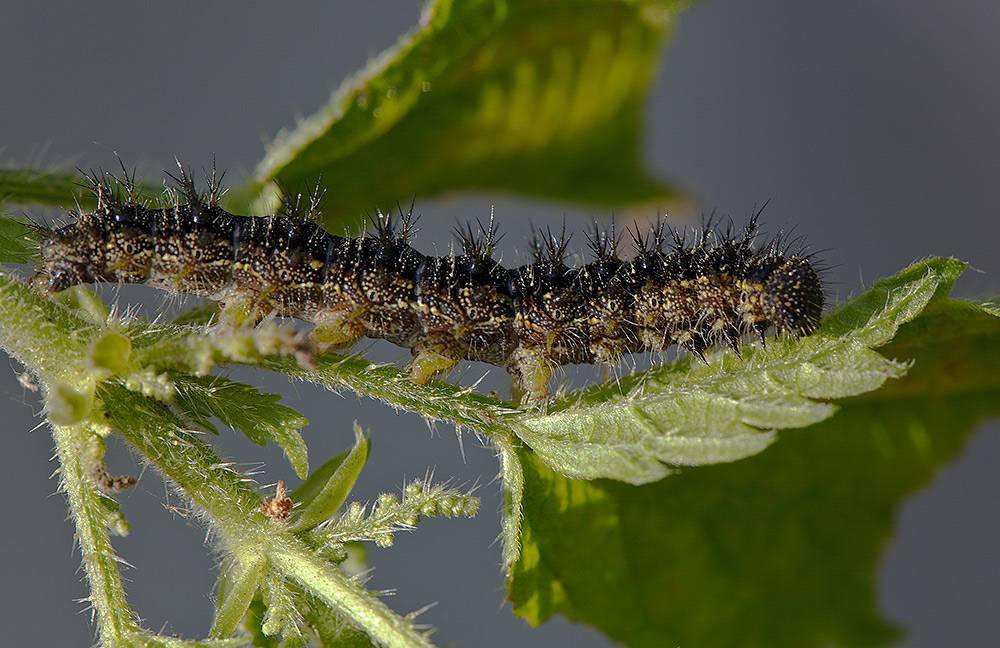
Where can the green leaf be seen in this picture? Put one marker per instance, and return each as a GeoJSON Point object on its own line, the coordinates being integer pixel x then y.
{"type": "Point", "coordinates": [43, 187]}
{"type": "Point", "coordinates": [527, 96]}
{"type": "Point", "coordinates": [238, 597]}
{"type": "Point", "coordinates": [512, 491]}
{"type": "Point", "coordinates": [26, 186]}
{"type": "Point", "coordinates": [322, 494]}
{"type": "Point", "coordinates": [17, 240]}
{"type": "Point", "coordinates": [689, 414]}
{"type": "Point", "coordinates": [777, 550]}
{"type": "Point", "coordinates": [259, 416]}
{"type": "Point", "coordinates": [253, 623]}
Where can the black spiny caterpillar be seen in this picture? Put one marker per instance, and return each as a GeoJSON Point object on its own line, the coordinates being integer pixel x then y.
{"type": "Point", "coordinates": [715, 288]}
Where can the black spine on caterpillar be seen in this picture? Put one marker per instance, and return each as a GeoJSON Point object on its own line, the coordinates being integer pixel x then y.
{"type": "Point", "coordinates": [695, 293]}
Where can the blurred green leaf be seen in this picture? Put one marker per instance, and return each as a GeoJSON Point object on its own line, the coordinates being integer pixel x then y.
{"type": "Point", "coordinates": [17, 241]}
{"type": "Point", "coordinates": [777, 550]}
{"type": "Point", "coordinates": [260, 416]}
{"type": "Point", "coordinates": [688, 413]}
{"type": "Point", "coordinates": [526, 96]}
{"type": "Point", "coordinates": [26, 186]}
{"type": "Point", "coordinates": [204, 313]}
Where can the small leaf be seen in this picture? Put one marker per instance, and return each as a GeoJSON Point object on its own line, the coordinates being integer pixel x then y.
{"type": "Point", "coordinates": [67, 405]}
{"type": "Point", "coordinates": [534, 97]}
{"type": "Point", "coordinates": [110, 353]}
{"type": "Point", "coordinates": [317, 479]}
{"type": "Point", "coordinates": [238, 596]}
{"type": "Point", "coordinates": [259, 416]}
{"type": "Point", "coordinates": [282, 616]}
{"type": "Point", "coordinates": [324, 491]}
{"type": "Point", "coordinates": [691, 414]}
{"type": "Point", "coordinates": [17, 240]}
{"type": "Point", "coordinates": [512, 488]}
{"type": "Point", "coordinates": [253, 622]}
{"type": "Point", "coordinates": [780, 550]}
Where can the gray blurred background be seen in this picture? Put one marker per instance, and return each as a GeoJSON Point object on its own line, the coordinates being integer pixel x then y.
{"type": "Point", "coordinates": [870, 125]}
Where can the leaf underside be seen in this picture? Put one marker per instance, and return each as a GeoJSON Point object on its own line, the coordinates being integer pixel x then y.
{"type": "Point", "coordinates": [689, 414]}
{"type": "Point", "coordinates": [537, 98]}
{"type": "Point", "coordinates": [780, 549]}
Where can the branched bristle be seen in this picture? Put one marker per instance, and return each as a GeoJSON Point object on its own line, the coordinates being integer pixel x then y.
{"type": "Point", "coordinates": [216, 189]}
{"type": "Point", "coordinates": [184, 183]}
{"type": "Point", "coordinates": [603, 243]}
{"type": "Point", "coordinates": [551, 247]}
{"type": "Point", "coordinates": [481, 244]}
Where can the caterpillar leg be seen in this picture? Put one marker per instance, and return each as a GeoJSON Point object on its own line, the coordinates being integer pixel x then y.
{"type": "Point", "coordinates": [332, 336]}
{"type": "Point", "coordinates": [430, 360]}
{"type": "Point", "coordinates": [530, 375]}
{"type": "Point", "coordinates": [242, 311]}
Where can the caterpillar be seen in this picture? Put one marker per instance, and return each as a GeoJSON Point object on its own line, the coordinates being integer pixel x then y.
{"type": "Point", "coordinates": [689, 288]}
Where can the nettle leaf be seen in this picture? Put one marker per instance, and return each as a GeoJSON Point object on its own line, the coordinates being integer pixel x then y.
{"type": "Point", "coordinates": [534, 97]}
{"type": "Point", "coordinates": [689, 414]}
{"type": "Point", "coordinates": [780, 549]}
{"type": "Point", "coordinates": [27, 186]}
{"type": "Point", "coordinates": [56, 187]}
{"type": "Point", "coordinates": [322, 494]}
{"type": "Point", "coordinates": [260, 416]}
{"type": "Point", "coordinates": [17, 241]}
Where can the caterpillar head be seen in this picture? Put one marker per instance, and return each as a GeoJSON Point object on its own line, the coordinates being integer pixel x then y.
{"type": "Point", "coordinates": [794, 296]}
{"type": "Point", "coordinates": [70, 255]}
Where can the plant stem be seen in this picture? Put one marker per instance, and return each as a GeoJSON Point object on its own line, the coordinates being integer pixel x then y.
{"type": "Point", "coordinates": [346, 596]}
{"type": "Point", "coordinates": [115, 620]}
{"type": "Point", "coordinates": [440, 401]}
{"type": "Point", "coordinates": [53, 344]}
{"type": "Point", "coordinates": [233, 507]}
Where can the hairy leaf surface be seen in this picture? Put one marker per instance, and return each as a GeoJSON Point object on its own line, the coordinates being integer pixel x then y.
{"type": "Point", "coordinates": [688, 414]}
{"type": "Point", "coordinates": [780, 549]}
{"type": "Point", "coordinates": [260, 416]}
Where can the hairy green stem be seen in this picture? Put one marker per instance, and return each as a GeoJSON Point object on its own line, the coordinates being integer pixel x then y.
{"type": "Point", "coordinates": [233, 508]}
{"type": "Point", "coordinates": [176, 347]}
{"type": "Point", "coordinates": [115, 620]}
{"type": "Point", "coordinates": [346, 596]}
{"type": "Point", "coordinates": [53, 343]}
{"type": "Point", "coordinates": [436, 400]}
